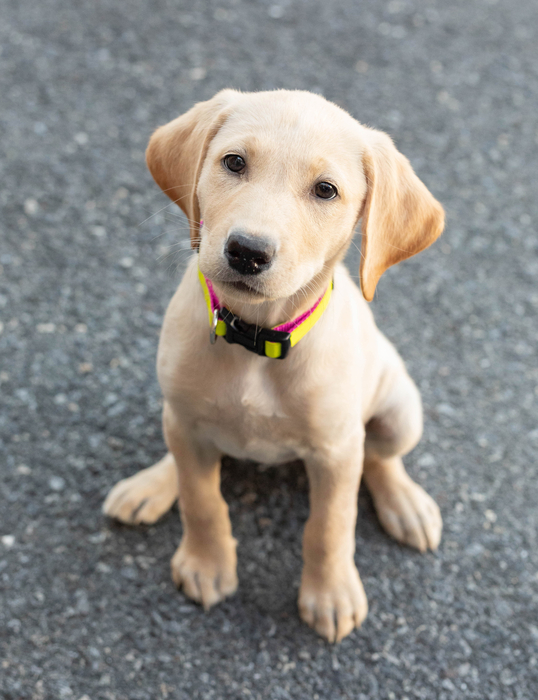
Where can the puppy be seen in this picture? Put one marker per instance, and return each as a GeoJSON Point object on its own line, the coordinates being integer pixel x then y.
{"type": "Point", "coordinates": [280, 180]}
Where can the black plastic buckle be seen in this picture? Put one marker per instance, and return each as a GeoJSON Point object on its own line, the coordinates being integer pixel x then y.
{"type": "Point", "coordinates": [253, 337]}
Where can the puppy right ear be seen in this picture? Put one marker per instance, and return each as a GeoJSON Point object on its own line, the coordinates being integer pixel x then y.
{"type": "Point", "coordinates": [176, 154]}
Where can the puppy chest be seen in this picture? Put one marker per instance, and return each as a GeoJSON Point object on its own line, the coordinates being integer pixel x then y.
{"type": "Point", "coordinates": [249, 421]}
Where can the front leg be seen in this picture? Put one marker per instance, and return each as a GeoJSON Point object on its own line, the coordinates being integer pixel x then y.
{"type": "Point", "coordinates": [205, 562]}
{"type": "Point", "coordinates": [331, 597]}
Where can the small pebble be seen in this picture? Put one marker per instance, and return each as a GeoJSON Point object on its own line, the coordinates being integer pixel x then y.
{"type": "Point", "coordinates": [276, 12]}
{"type": "Point", "coordinates": [31, 207]}
{"type": "Point", "coordinates": [121, 193]}
{"type": "Point", "coordinates": [46, 327]}
{"type": "Point", "coordinates": [56, 483]}
{"type": "Point", "coordinates": [198, 73]}
{"type": "Point", "coordinates": [81, 138]}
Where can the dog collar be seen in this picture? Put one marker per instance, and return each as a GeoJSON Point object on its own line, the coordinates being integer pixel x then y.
{"type": "Point", "coordinates": [267, 342]}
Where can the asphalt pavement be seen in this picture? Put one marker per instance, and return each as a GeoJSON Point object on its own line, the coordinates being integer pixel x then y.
{"type": "Point", "coordinates": [90, 255]}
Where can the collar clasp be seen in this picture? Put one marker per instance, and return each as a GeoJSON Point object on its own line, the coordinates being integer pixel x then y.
{"type": "Point", "coordinates": [213, 329]}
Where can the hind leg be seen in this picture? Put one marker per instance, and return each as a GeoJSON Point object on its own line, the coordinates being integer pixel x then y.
{"type": "Point", "coordinates": [146, 496]}
{"type": "Point", "coordinates": [404, 509]}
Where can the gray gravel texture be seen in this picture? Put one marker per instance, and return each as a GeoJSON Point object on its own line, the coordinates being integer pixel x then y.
{"type": "Point", "coordinates": [89, 259]}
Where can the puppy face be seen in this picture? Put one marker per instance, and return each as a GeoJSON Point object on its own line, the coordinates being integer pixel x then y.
{"type": "Point", "coordinates": [281, 179]}
{"type": "Point", "coordinates": [280, 193]}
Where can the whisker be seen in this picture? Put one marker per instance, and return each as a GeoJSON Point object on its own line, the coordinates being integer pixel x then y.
{"type": "Point", "coordinates": [155, 214]}
{"type": "Point", "coordinates": [188, 184]}
{"type": "Point", "coordinates": [357, 247]}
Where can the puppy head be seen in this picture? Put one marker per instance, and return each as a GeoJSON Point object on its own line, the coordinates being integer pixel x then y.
{"type": "Point", "coordinates": [280, 180]}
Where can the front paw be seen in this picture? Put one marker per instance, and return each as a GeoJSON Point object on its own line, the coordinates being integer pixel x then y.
{"type": "Point", "coordinates": [206, 574]}
{"type": "Point", "coordinates": [333, 605]}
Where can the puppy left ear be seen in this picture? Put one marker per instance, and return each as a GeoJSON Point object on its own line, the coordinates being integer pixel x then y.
{"type": "Point", "coordinates": [176, 154]}
{"type": "Point", "coordinates": [400, 216]}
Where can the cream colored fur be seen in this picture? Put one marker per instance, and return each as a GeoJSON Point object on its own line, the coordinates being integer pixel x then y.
{"type": "Point", "coordinates": [342, 400]}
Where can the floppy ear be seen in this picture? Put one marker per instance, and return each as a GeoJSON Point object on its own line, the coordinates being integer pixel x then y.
{"type": "Point", "coordinates": [400, 216]}
{"type": "Point", "coordinates": [176, 154]}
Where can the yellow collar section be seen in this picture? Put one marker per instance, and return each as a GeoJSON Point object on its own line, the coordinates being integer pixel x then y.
{"type": "Point", "coordinates": [267, 342]}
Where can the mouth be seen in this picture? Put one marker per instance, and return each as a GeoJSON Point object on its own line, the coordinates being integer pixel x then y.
{"type": "Point", "coordinates": [242, 287]}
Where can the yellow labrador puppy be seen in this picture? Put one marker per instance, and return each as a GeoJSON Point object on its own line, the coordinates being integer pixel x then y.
{"type": "Point", "coordinates": [273, 185]}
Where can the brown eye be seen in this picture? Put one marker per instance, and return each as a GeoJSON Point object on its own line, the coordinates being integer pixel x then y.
{"type": "Point", "coordinates": [324, 190]}
{"type": "Point", "coordinates": [234, 163]}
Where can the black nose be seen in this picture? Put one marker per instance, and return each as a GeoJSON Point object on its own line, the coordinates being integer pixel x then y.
{"type": "Point", "coordinates": [249, 255]}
